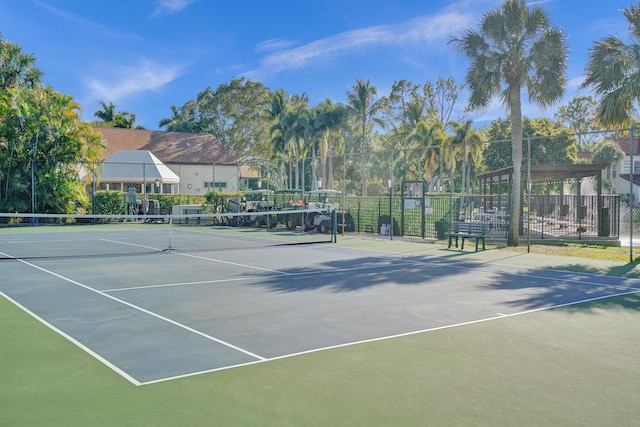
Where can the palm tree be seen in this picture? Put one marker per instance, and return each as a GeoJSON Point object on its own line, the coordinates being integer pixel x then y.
{"type": "Point", "coordinates": [124, 119]}
{"type": "Point", "coordinates": [515, 48]}
{"type": "Point", "coordinates": [183, 119]}
{"type": "Point", "coordinates": [17, 69]}
{"type": "Point", "coordinates": [108, 112]}
{"type": "Point", "coordinates": [614, 72]}
{"type": "Point", "coordinates": [169, 122]}
{"type": "Point", "coordinates": [281, 133]}
{"type": "Point", "coordinates": [364, 107]}
{"type": "Point", "coordinates": [423, 145]}
{"type": "Point", "coordinates": [274, 112]}
{"type": "Point", "coordinates": [463, 138]}
{"type": "Point", "coordinates": [330, 121]}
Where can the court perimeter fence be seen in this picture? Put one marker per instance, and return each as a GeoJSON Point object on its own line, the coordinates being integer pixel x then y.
{"type": "Point", "coordinates": [575, 188]}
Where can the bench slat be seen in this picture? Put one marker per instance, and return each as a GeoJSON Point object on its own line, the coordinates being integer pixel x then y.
{"type": "Point", "coordinates": [468, 230]}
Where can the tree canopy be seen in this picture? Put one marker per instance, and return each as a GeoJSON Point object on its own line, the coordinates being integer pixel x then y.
{"type": "Point", "coordinates": [551, 143]}
{"type": "Point", "coordinates": [613, 71]}
{"type": "Point", "coordinates": [42, 140]}
{"type": "Point", "coordinates": [109, 118]}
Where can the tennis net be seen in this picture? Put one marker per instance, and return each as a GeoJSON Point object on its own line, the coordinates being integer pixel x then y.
{"type": "Point", "coordinates": [48, 236]}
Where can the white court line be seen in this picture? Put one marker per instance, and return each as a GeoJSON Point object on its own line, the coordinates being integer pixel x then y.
{"type": "Point", "coordinates": [170, 285]}
{"type": "Point", "coordinates": [198, 257]}
{"type": "Point", "coordinates": [231, 263]}
{"type": "Point", "coordinates": [389, 337]}
{"type": "Point", "coordinates": [133, 244]}
{"type": "Point", "coordinates": [74, 341]}
{"type": "Point", "coordinates": [135, 307]}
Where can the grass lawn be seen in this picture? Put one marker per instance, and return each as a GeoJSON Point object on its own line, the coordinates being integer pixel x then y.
{"type": "Point", "coordinates": [608, 253]}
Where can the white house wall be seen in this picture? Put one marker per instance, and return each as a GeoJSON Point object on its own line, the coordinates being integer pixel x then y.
{"type": "Point", "coordinates": [198, 179]}
{"type": "Point", "coordinates": [621, 185]}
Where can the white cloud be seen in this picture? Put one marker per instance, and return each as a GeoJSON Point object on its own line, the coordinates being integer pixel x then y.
{"type": "Point", "coordinates": [127, 81]}
{"type": "Point", "coordinates": [83, 23]}
{"type": "Point", "coordinates": [427, 32]}
{"type": "Point", "coordinates": [170, 6]}
{"type": "Point", "coordinates": [274, 45]}
{"type": "Point", "coordinates": [575, 84]}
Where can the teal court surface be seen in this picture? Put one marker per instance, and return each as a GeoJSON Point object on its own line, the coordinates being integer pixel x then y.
{"type": "Point", "coordinates": [161, 316]}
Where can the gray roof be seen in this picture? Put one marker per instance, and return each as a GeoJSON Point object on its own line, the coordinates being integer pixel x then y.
{"type": "Point", "coordinates": [169, 147]}
{"type": "Point", "coordinates": [136, 166]}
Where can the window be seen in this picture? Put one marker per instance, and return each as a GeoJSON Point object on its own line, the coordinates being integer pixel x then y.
{"type": "Point", "coordinates": [218, 184]}
{"type": "Point", "coordinates": [136, 186]}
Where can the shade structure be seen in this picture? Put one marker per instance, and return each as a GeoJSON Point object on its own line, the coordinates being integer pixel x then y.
{"type": "Point", "coordinates": [136, 166]}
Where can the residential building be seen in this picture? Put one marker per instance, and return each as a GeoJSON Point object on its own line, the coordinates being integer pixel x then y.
{"type": "Point", "coordinates": [199, 160]}
{"type": "Point", "coordinates": [623, 180]}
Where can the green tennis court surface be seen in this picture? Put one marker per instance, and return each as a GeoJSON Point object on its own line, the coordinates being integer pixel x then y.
{"type": "Point", "coordinates": [354, 334]}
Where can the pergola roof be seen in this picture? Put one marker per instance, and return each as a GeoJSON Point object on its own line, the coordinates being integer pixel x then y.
{"type": "Point", "coordinates": [547, 173]}
{"type": "Point", "coordinates": [136, 166]}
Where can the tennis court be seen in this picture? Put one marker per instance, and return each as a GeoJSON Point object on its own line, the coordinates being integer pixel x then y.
{"type": "Point", "coordinates": [173, 314]}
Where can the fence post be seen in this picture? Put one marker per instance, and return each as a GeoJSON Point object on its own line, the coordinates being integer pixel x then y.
{"type": "Point", "coordinates": [631, 201]}
{"type": "Point", "coordinates": [529, 195]}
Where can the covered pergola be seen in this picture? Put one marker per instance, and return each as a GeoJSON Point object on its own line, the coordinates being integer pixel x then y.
{"type": "Point", "coordinates": [496, 189]}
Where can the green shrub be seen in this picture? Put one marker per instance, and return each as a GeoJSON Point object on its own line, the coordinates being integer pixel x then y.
{"type": "Point", "coordinates": [108, 203]}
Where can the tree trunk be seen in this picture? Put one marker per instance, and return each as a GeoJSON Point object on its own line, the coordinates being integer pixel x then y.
{"type": "Point", "coordinates": [329, 162]}
{"type": "Point", "coordinates": [364, 172]}
{"type": "Point", "coordinates": [516, 156]}
{"type": "Point", "coordinates": [464, 168]}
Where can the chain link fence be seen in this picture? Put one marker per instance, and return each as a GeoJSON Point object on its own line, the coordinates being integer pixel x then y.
{"type": "Point", "coordinates": [575, 189]}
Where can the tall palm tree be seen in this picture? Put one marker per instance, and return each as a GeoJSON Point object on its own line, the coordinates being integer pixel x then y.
{"type": "Point", "coordinates": [515, 48]}
{"type": "Point", "coordinates": [423, 145]}
{"type": "Point", "coordinates": [274, 111]}
{"type": "Point", "coordinates": [282, 132]}
{"type": "Point", "coordinates": [331, 119]}
{"type": "Point", "coordinates": [364, 107]}
{"type": "Point", "coordinates": [464, 137]}
{"type": "Point", "coordinates": [613, 71]}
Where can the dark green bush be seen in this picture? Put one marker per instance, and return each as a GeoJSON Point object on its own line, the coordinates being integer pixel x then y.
{"type": "Point", "coordinates": [108, 203]}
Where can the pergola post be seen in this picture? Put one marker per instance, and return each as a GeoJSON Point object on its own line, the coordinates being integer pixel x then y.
{"type": "Point", "coordinates": [601, 219]}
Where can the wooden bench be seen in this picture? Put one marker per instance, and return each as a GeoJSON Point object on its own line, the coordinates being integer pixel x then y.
{"type": "Point", "coordinates": [468, 230]}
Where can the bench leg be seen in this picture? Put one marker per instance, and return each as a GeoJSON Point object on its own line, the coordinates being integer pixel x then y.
{"type": "Point", "coordinates": [462, 247]}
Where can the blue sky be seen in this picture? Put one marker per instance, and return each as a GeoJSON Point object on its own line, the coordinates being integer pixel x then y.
{"type": "Point", "coordinates": [146, 55]}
